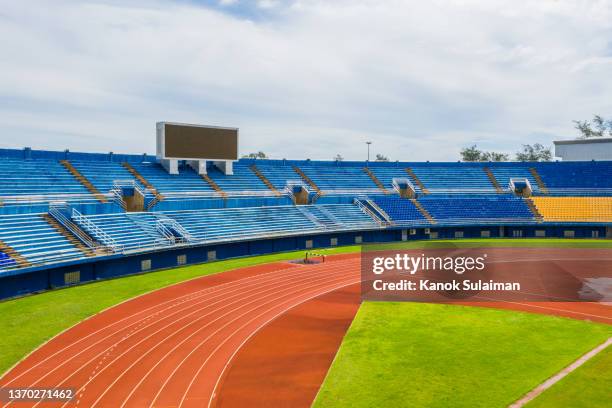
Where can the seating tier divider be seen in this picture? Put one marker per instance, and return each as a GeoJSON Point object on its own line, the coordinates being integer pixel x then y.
{"type": "Point", "coordinates": [539, 181]}
{"type": "Point", "coordinates": [376, 180]}
{"type": "Point", "coordinates": [416, 180]}
{"type": "Point", "coordinates": [16, 256]}
{"type": "Point", "coordinates": [214, 185]}
{"type": "Point", "coordinates": [263, 178]}
{"type": "Point", "coordinates": [423, 211]}
{"type": "Point", "coordinates": [84, 181]}
{"type": "Point", "coordinates": [494, 181]}
{"type": "Point", "coordinates": [68, 235]}
{"type": "Point", "coordinates": [144, 182]}
{"type": "Point", "coordinates": [534, 209]}
{"type": "Point", "coordinates": [307, 179]}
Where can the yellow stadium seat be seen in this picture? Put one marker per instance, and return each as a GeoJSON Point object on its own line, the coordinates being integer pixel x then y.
{"type": "Point", "coordinates": [575, 209]}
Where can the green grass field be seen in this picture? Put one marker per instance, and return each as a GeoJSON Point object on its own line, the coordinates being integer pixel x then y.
{"type": "Point", "coordinates": [27, 322]}
{"type": "Point", "coordinates": [587, 387]}
{"type": "Point", "coordinates": [495, 242]}
{"type": "Point", "coordinates": [426, 355]}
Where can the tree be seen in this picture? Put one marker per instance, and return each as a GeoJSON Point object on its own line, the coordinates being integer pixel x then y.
{"type": "Point", "coordinates": [474, 154]}
{"type": "Point", "coordinates": [598, 127]}
{"type": "Point", "coordinates": [338, 157]}
{"type": "Point", "coordinates": [381, 158]}
{"type": "Point", "coordinates": [534, 153]}
{"type": "Point", "coordinates": [258, 155]}
{"type": "Point", "coordinates": [494, 157]}
{"type": "Point", "coordinates": [471, 154]}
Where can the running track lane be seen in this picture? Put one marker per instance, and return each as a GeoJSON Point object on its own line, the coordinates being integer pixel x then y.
{"type": "Point", "coordinates": [170, 349]}
{"type": "Point", "coordinates": [115, 345]}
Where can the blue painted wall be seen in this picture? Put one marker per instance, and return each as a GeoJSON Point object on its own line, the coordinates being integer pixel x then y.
{"type": "Point", "coordinates": [22, 283]}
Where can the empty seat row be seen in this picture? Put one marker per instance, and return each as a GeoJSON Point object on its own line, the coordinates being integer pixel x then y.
{"type": "Point", "coordinates": [449, 210]}
{"type": "Point", "coordinates": [139, 230]}
{"type": "Point", "coordinates": [574, 209]}
{"type": "Point", "coordinates": [36, 240]}
{"type": "Point", "coordinates": [499, 208]}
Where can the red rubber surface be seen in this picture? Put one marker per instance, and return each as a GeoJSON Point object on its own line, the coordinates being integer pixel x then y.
{"type": "Point", "coordinates": [170, 347]}
{"type": "Point", "coordinates": [230, 339]}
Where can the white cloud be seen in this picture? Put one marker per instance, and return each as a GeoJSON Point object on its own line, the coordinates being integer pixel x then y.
{"type": "Point", "coordinates": [315, 78]}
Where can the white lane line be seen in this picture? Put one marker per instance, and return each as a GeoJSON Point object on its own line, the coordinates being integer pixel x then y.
{"type": "Point", "coordinates": [228, 362]}
{"type": "Point", "coordinates": [221, 328]}
{"type": "Point", "coordinates": [290, 302]}
{"type": "Point", "coordinates": [240, 292]}
{"type": "Point", "coordinates": [82, 339]}
{"type": "Point", "coordinates": [272, 292]}
{"type": "Point", "coordinates": [559, 376]}
{"type": "Point", "coordinates": [272, 282]}
{"type": "Point", "coordinates": [220, 293]}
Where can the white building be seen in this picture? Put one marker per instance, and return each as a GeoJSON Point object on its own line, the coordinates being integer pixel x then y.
{"type": "Point", "coordinates": [584, 149]}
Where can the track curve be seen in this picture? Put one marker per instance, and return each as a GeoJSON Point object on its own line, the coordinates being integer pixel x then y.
{"type": "Point", "coordinates": [170, 347]}
{"type": "Point", "coordinates": [173, 347]}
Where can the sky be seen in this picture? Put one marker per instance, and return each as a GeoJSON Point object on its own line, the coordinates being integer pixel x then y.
{"type": "Point", "coordinates": [304, 78]}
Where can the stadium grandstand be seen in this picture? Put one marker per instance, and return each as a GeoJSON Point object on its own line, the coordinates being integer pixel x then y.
{"type": "Point", "coordinates": [68, 217]}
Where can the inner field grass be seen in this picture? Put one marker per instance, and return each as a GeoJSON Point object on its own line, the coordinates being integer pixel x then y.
{"type": "Point", "coordinates": [589, 386]}
{"type": "Point", "coordinates": [27, 322]}
{"type": "Point", "coordinates": [428, 355]}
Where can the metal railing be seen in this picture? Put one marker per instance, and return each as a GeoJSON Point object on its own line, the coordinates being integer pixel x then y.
{"type": "Point", "coordinates": [329, 215]}
{"type": "Point", "coordinates": [58, 211]}
{"type": "Point", "coordinates": [170, 228]}
{"type": "Point", "coordinates": [47, 198]}
{"type": "Point", "coordinates": [364, 208]}
{"type": "Point", "coordinates": [310, 216]}
{"type": "Point", "coordinates": [96, 231]}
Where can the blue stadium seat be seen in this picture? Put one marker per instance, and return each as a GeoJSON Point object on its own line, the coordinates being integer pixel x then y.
{"type": "Point", "coordinates": [35, 240]}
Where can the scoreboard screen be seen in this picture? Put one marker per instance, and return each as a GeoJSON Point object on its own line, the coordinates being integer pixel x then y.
{"type": "Point", "coordinates": [183, 141]}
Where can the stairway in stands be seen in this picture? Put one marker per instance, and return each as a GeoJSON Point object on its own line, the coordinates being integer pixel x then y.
{"type": "Point", "coordinates": [534, 209]}
{"type": "Point", "coordinates": [69, 236]}
{"type": "Point", "coordinates": [307, 180]}
{"type": "Point", "coordinates": [494, 182]}
{"type": "Point", "coordinates": [539, 181]}
{"type": "Point", "coordinates": [423, 211]}
{"type": "Point", "coordinates": [84, 181]}
{"type": "Point", "coordinates": [213, 185]}
{"type": "Point", "coordinates": [416, 180]}
{"type": "Point", "coordinates": [158, 197]}
{"type": "Point", "coordinates": [16, 256]}
{"type": "Point", "coordinates": [263, 178]}
{"type": "Point", "coordinates": [375, 180]}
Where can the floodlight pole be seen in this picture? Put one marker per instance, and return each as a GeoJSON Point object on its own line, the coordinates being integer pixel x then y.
{"type": "Point", "coordinates": [368, 143]}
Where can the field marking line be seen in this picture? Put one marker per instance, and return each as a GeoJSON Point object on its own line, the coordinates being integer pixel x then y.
{"type": "Point", "coordinates": [281, 280]}
{"type": "Point", "coordinates": [560, 375]}
{"type": "Point", "coordinates": [130, 316]}
{"type": "Point", "coordinates": [251, 284]}
{"type": "Point", "coordinates": [268, 293]}
{"type": "Point", "coordinates": [257, 330]}
{"type": "Point", "coordinates": [224, 326]}
{"type": "Point", "coordinates": [291, 306]}
{"type": "Point", "coordinates": [270, 280]}
{"type": "Point", "coordinates": [556, 309]}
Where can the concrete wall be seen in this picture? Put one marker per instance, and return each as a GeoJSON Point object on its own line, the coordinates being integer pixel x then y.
{"type": "Point", "coordinates": [584, 150]}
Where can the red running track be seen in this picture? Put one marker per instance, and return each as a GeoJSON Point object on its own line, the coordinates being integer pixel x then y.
{"type": "Point", "coordinates": [173, 347]}
{"type": "Point", "coordinates": [170, 348]}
